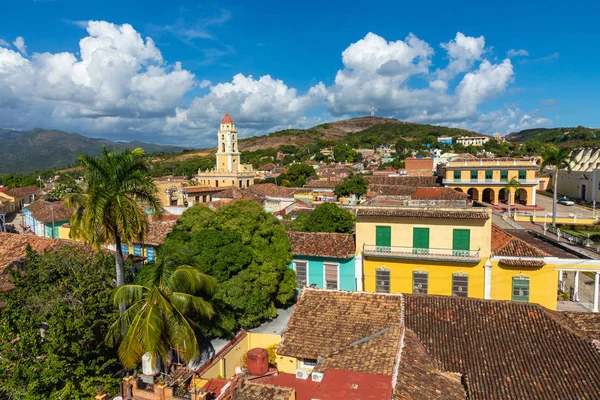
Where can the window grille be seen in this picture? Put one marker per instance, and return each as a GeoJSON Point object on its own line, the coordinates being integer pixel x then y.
{"type": "Point", "coordinates": [301, 273]}
{"type": "Point", "coordinates": [520, 288]}
{"type": "Point", "coordinates": [420, 282]}
{"type": "Point", "coordinates": [331, 275]}
{"type": "Point", "coordinates": [460, 285]}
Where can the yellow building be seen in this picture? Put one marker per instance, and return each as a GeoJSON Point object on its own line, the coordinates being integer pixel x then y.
{"type": "Point", "coordinates": [229, 170]}
{"type": "Point", "coordinates": [484, 179]}
{"type": "Point", "coordinates": [433, 247]}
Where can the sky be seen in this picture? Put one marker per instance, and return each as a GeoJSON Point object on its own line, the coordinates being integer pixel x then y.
{"type": "Point", "coordinates": [166, 71]}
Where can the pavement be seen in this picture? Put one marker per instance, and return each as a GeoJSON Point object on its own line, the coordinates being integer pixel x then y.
{"type": "Point", "coordinates": [546, 203]}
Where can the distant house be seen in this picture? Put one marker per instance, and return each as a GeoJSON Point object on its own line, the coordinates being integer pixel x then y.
{"type": "Point", "coordinates": [325, 260]}
{"type": "Point", "coordinates": [45, 217]}
{"type": "Point", "coordinates": [14, 199]}
{"type": "Point", "coordinates": [156, 235]}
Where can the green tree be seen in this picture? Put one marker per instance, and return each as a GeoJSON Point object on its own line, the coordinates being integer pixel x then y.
{"type": "Point", "coordinates": [509, 187]}
{"type": "Point", "coordinates": [62, 189]}
{"type": "Point", "coordinates": [160, 313]}
{"type": "Point", "coordinates": [53, 325]}
{"type": "Point", "coordinates": [247, 251]}
{"type": "Point", "coordinates": [297, 174]}
{"type": "Point", "coordinates": [328, 217]}
{"type": "Point", "coordinates": [342, 152]}
{"type": "Point", "coordinates": [558, 158]}
{"type": "Point", "coordinates": [110, 211]}
{"type": "Point", "coordinates": [352, 185]}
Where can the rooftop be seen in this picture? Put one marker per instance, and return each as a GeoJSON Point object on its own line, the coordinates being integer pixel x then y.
{"type": "Point", "coordinates": [319, 244]}
{"type": "Point", "coordinates": [158, 231]}
{"type": "Point", "coordinates": [49, 211]}
{"type": "Point", "coordinates": [254, 391]}
{"type": "Point", "coordinates": [227, 119]}
{"type": "Point", "coordinates": [24, 191]}
{"type": "Point", "coordinates": [465, 213]}
{"type": "Point", "coordinates": [505, 244]}
{"type": "Point", "coordinates": [414, 181]}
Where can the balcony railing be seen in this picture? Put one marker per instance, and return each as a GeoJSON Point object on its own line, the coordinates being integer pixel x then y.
{"type": "Point", "coordinates": [415, 253]}
{"type": "Point", "coordinates": [489, 181]}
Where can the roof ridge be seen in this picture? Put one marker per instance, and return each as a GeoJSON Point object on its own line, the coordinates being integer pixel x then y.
{"type": "Point", "coordinates": [513, 237]}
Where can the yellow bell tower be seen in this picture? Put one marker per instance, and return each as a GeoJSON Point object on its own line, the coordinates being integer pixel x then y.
{"type": "Point", "coordinates": [228, 155]}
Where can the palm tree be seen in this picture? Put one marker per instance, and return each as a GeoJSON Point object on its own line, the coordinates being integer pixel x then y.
{"type": "Point", "coordinates": [508, 187]}
{"type": "Point", "coordinates": [160, 313]}
{"type": "Point", "coordinates": [557, 157]}
{"type": "Point", "coordinates": [110, 210]}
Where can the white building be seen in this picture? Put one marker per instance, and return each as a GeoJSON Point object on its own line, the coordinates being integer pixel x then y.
{"type": "Point", "coordinates": [584, 180]}
{"type": "Point", "coordinates": [473, 140]}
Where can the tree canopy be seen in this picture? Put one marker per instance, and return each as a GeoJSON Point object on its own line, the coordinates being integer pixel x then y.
{"type": "Point", "coordinates": [246, 250]}
{"type": "Point", "coordinates": [352, 185]}
{"type": "Point", "coordinates": [296, 175]}
{"type": "Point", "coordinates": [327, 217]}
{"type": "Point", "coordinates": [68, 295]}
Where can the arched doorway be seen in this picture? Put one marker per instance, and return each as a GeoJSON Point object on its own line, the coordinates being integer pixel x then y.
{"type": "Point", "coordinates": [488, 195]}
{"type": "Point", "coordinates": [521, 196]}
{"type": "Point", "coordinates": [459, 190]}
{"type": "Point", "coordinates": [583, 192]}
{"type": "Point", "coordinates": [473, 194]}
{"type": "Point", "coordinates": [503, 195]}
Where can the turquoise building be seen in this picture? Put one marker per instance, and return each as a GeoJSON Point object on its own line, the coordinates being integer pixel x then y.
{"type": "Point", "coordinates": [325, 260]}
{"type": "Point", "coordinates": [44, 217]}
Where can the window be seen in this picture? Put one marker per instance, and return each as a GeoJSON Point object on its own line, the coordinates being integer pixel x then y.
{"type": "Point", "coordinates": [383, 238]}
{"type": "Point", "coordinates": [522, 175]}
{"type": "Point", "coordinates": [456, 175]}
{"type": "Point", "coordinates": [308, 363]}
{"type": "Point", "coordinates": [504, 175]}
{"type": "Point", "coordinates": [420, 282]}
{"type": "Point", "coordinates": [331, 275]}
{"type": "Point", "coordinates": [124, 249]}
{"type": "Point", "coordinates": [520, 288]}
{"type": "Point", "coordinates": [473, 175]}
{"type": "Point", "coordinates": [421, 240]}
{"type": "Point", "coordinates": [460, 285]}
{"type": "Point", "coordinates": [461, 242]}
{"type": "Point", "coordinates": [301, 268]}
{"type": "Point", "coordinates": [382, 280]}
{"type": "Point", "coordinates": [489, 175]}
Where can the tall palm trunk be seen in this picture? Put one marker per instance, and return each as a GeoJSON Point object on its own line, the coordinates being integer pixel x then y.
{"type": "Point", "coordinates": [120, 269]}
{"type": "Point", "coordinates": [554, 198]}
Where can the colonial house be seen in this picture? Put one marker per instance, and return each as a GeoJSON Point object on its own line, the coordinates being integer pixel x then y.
{"type": "Point", "coordinates": [14, 199]}
{"type": "Point", "coordinates": [43, 218]}
{"type": "Point", "coordinates": [156, 235]}
{"type": "Point", "coordinates": [325, 260]}
{"type": "Point", "coordinates": [583, 182]}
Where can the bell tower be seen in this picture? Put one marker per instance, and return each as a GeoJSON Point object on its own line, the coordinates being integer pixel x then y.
{"type": "Point", "coordinates": [228, 155]}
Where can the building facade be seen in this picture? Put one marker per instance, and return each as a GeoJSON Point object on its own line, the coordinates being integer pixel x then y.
{"type": "Point", "coordinates": [472, 140]}
{"type": "Point", "coordinates": [229, 171]}
{"type": "Point", "coordinates": [43, 218]}
{"type": "Point", "coordinates": [485, 179]}
{"type": "Point", "coordinates": [325, 260]}
{"type": "Point", "coordinates": [583, 182]}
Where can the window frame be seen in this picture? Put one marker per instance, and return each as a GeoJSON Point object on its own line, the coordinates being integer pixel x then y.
{"type": "Point", "coordinates": [520, 298]}
{"type": "Point", "coordinates": [489, 175]}
{"type": "Point", "coordinates": [389, 283]}
{"type": "Point", "coordinates": [337, 273]}
{"type": "Point", "coordinates": [420, 291]}
{"type": "Point", "coordinates": [457, 175]}
{"type": "Point", "coordinates": [522, 175]}
{"type": "Point", "coordinates": [296, 271]}
{"type": "Point", "coordinates": [475, 173]}
{"type": "Point", "coordinates": [458, 290]}
{"type": "Point", "coordinates": [504, 174]}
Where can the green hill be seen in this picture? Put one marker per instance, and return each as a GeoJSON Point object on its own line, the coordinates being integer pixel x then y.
{"type": "Point", "coordinates": [40, 149]}
{"type": "Point", "coordinates": [565, 137]}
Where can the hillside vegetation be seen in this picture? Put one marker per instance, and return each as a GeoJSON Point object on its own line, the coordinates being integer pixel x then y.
{"type": "Point", "coordinates": [565, 137]}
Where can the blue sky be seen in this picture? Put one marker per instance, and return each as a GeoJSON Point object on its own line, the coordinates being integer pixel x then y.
{"type": "Point", "coordinates": [495, 67]}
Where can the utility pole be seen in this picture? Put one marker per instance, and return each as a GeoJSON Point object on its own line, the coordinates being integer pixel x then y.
{"type": "Point", "coordinates": [52, 207]}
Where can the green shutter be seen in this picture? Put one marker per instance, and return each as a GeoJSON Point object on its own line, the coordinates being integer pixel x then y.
{"type": "Point", "coordinates": [504, 174]}
{"type": "Point", "coordinates": [520, 289]}
{"type": "Point", "coordinates": [383, 236]}
{"type": "Point", "coordinates": [489, 175]}
{"type": "Point", "coordinates": [473, 175]}
{"type": "Point", "coordinates": [421, 240]}
{"type": "Point", "coordinates": [461, 241]}
{"type": "Point", "coordinates": [522, 175]}
{"type": "Point", "coordinates": [456, 176]}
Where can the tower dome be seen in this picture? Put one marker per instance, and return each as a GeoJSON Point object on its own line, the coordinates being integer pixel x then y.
{"type": "Point", "coordinates": [227, 120]}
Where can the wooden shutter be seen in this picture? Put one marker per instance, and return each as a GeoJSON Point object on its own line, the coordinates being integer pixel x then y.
{"type": "Point", "coordinates": [504, 174]}
{"type": "Point", "coordinates": [383, 236]}
{"type": "Point", "coordinates": [520, 289]}
{"type": "Point", "coordinates": [301, 270]}
{"type": "Point", "coordinates": [461, 240]}
{"type": "Point", "coordinates": [489, 174]}
{"type": "Point", "coordinates": [420, 282]}
{"type": "Point", "coordinates": [331, 275]}
{"type": "Point", "coordinates": [460, 285]}
{"type": "Point", "coordinates": [382, 280]}
{"type": "Point", "coordinates": [420, 240]}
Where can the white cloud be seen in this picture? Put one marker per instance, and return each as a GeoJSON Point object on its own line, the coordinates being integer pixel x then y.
{"type": "Point", "coordinates": [517, 53]}
{"type": "Point", "coordinates": [4, 43]}
{"type": "Point", "coordinates": [205, 83]}
{"type": "Point", "coordinates": [463, 52]}
{"type": "Point", "coordinates": [20, 45]}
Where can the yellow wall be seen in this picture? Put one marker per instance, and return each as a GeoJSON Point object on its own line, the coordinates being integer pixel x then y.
{"type": "Point", "coordinates": [64, 232]}
{"type": "Point", "coordinates": [543, 283]}
{"type": "Point", "coordinates": [226, 364]}
{"type": "Point", "coordinates": [440, 231]}
{"type": "Point", "coordinates": [439, 275]}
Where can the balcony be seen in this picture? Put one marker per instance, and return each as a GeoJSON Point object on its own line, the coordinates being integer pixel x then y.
{"type": "Point", "coordinates": [413, 253]}
{"type": "Point", "coordinates": [487, 182]}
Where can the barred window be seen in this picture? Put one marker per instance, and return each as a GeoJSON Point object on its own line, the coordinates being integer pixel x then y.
{"type": "Point", "coordinates": [420, 282]}
{"type": "Point", "coordinates": [301, 273]}
{"type": "Point", "coordinates": [382, 280]}
{"type": "Point", "coordinates": [460, 285]}
{"type": "Point", "coordinates": [331, 275]}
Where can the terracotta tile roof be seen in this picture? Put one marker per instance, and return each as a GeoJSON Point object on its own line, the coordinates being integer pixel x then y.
{"type": "Point", "coordinates": [323, 184]}
{"type": "Point", "coordinates": [229, 193]}
{"type": "Point", "coordinates": [267, 167]}
{"type": "Point", "coordinates": [202, 189]}
{"type": "Point", "coordinates": [321, 244]}
{"type": "Point", "coordinates": [438, 193]}
{"type": "Point", "coordinates": [24, 191]}
{"type": "Point", "coordinates": [589, 323]}
{"type": "Point", "coordinates": [541, 242]}
{"type": "Point", "coordinates": [373, 355]}
{"type": "Point", "coordinates": [505, 349]}
{"type": "Point", "coordinates": [257, 391]}
{"type": "Point", "coordinates": [390, 190]}
{"type": "Point", "coordinates": [522, 263]}
{"type": "Point", "coordinates": [505, 244]}
{"type": "Point", "coordinates": [419, 377]}
{"type": "Point", "coordinates": [415, 212]}
{"type": "Point", "coordinates": [414, 181]}
{"type": "Point", "coordinates": [324, 322]}
{"type": "Point", "coordinates": [272, 190]}
{"type": "Point", "coordinates": [158, 231]}
{"type": "Point", "coordinates": [47, 211]}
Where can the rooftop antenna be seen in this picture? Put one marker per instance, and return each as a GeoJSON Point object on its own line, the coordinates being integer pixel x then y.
{"type": "Point", "coordinates": [372, 110]}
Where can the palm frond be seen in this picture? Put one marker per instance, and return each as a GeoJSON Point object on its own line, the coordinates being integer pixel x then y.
{"type": "Point", "coordinates": [190, 280]}
{"type": "Point", "coordinates": [129, 294]}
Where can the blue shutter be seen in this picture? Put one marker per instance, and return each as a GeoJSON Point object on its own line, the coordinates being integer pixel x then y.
{"type": "Point", "coordinates": [137, 250]}
{"type": "Point", "coordinates": [125, 249]}
{"type": "Point", "coordinates": [150, 254]}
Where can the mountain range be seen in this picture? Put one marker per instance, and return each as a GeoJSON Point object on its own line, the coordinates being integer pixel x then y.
{"type": "Point", "coordinates": [40, 149]}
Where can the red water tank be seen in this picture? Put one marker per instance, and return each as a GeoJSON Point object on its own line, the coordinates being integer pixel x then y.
{"type": "Point", "coordinates": [257, 361]}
